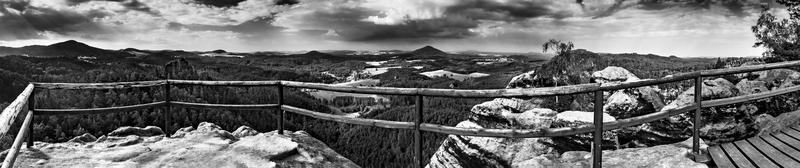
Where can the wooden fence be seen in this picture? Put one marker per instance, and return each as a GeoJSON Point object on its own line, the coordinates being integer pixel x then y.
{"type": "Point", "coordinates": [9, 115]}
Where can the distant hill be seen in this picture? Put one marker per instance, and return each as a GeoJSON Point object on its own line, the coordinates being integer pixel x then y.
{"type": "Point", "coordinates": [428, 51]}
{"type": "Point", "coordinates": [70, 48]}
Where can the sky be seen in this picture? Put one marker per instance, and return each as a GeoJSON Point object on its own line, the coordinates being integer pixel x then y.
{"type": "Point", "coordinates": [684, 28]}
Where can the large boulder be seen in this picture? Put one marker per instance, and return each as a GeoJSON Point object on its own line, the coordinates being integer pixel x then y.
{"type": "Point", "coordinates": [678, 127]}
{"type": "Point", "coordinates": [244, 131]}
{"type": "Point", "coordinates": [524, 80]}
{"type": "Point", "coordinates": [613, 74]}
{"type": "Point", "coordinates": [503, 112]}
{"type": "Point", "coordinates": [767, 124]}
{"type": "Point", "coordinates": [581, 142]}
{"type": "Point", "coordinates": [670, 155]}
{"type": "Point", "coordinates": [86, 137]}
{"type": "Point", "coordinates": [468, 151]}
{"type": "Point", "coordinates": [204, 128]}
{"type": "Point", "coordinates": [272, 147]}
{"type": "Point", "coordinates": [775, 77]}
{"type": "Point", "coordinates": [628, 103]}
{"type": "Point", "coordinates": [748, 87]}
{"type": "Point", "coordinates": [138, 131]}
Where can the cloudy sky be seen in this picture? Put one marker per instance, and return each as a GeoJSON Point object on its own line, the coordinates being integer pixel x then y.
{"type": "Point", "coordinates": [685, 28]}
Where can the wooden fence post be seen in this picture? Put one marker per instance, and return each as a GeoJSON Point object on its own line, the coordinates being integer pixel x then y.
{"type": "Point", "coordinates": [280, 108]}
{"type": "Point", "coordinates": [418, 133]}
{"type": "Point", "coordinates": [167, 99]}
{"type": "Point", "coordinates": [31, 109]}
{"type": "Point", "coordinates": [698, 95]}
{"type": "Point", "coordinates": [597, 150]}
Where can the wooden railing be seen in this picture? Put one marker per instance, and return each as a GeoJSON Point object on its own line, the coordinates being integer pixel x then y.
{"type": "Point", "coordinates": [10, 113]}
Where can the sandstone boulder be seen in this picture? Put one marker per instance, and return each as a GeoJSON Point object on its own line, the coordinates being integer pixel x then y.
{"type": "Point", "coordinates": [524, 80]}
{"type": "Point", "coordinates": [633, 102]}
{"type": "Point", "coordinates": [205, 128]}
{"type": "Point", "coordinates": [244, 131]}
{"type": "Point", "coordinates": [748, 87]}
{"type": "Point", "coordinates": [465, 151]}
{"type": "Point", "coordinates": [768, 124]}
{"type": "Point", "coordinates": [776, 76]}
{"type": "Point", "coordinates": [86, 137]}
{"type": "Point", "coordinates": [272, 147]}
{"type": "Point", "coordinates": [613, 74]}
{"type": "Point", "coordinates": [138, 131]}
{"type": "Point", "coordinates": [670, 155]}
{"type": "Point", "coordinates": [581, 141]}
{"type": "Point", "coordinates": [501, 112]}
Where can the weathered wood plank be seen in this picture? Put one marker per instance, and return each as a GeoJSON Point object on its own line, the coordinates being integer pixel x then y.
{"type": "Point", "coordinates": [98, 110]}
{"type": "Point", "coordinates": [650, 82]}
{"type": "Point", "coordinates": [11, 112]}
{"type": "Point", "coordinates": [788, 140]}
{"type": "Point", "coordinates": [774, 154]}
{"type": "Point", "coordinates": [736, 156]}
{"type": "Point", "coordinates": [785, 148]}
{"type": "Point", "coordinates": [753, 154]}
{"type": "Point", "coordinates": [224, 83]}
{"type": "Point", "coordinates": [720, 158]}
{"type": "Point", "coordinates": [115, 85]}
{"type": "Point", "coordinates": [750, 68]}
{"type": "Point", "coordinates": [8, 162]}
{"type": "Point", "coordinates": [350, 120]}
{"type": "Point", "coordinates": [225, 106]}
{"type": "Point", "coordinates": [791, 132]}
{"type": "Point", "coordinates": [751, 97]}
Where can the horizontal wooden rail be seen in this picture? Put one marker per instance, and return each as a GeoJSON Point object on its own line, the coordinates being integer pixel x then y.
{"type": "Point", "coordinates": [756, 96]}
{"type": "Point", "coordinates": [115, 85]}
{"type": "Point", "coordinates": [11, 156]}
{"type": "Point", "coordinates": [749, 68]}
{"type": "Point", "coordinates": [460, 93]}
{"type": "Point", "coordinates": [98, 110]}
{"type": "Point", "coordinates": [11, 112]}
{"type": "Point", "coordinates": [649, 82]}
{"type": "Point", "coordinates": [224, 83]}
{"type": "Point", "coordinates": [554, 132]}
{"type": "Point", "coordinates": [225, 106]}
{"type": "Point", "coordinates": [350, 120]}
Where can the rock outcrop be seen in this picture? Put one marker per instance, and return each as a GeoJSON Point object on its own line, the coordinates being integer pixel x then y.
{"type": "Point", "coordinates": [613, 74]}
{"type": "Point", "coordinates": [581, 141]}
{"type": "Point", "coordinates": [467, 151]}
{"type": "Point", "coordinates": [206, 146]}
{"type": "Point", "coordinates": [524, 80]}
{"type": "Point", "coordinates": [670, 155]}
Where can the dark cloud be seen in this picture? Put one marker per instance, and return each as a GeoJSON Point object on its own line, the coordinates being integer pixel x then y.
{"type": "Point", "coordinates": [23, 21]}
{"type": "Point", "coordinates": [736, 7]}
{"type": "Point", "coordinates": [252, 29]}
{"type": "Point", "coordinates": [617, 6]}
{"type": "Point", "coordinates": [286, 2]}
{"type": "Point", "coordinates": [349, 24]}
{"type": "Point", "coordinates": [128, 4]}
{"type": "Point", "coordinates": [136, 5]}
{"type": "Point", "coordinates": [512, 10]}
{"type": "Point", "coordinates": [220, 3]}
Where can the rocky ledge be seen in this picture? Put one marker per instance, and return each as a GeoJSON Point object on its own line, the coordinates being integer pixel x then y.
{"type": "Point", "coordinates": [205, 146]}
{"type": "Point", "coordinates": [661, 143]}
